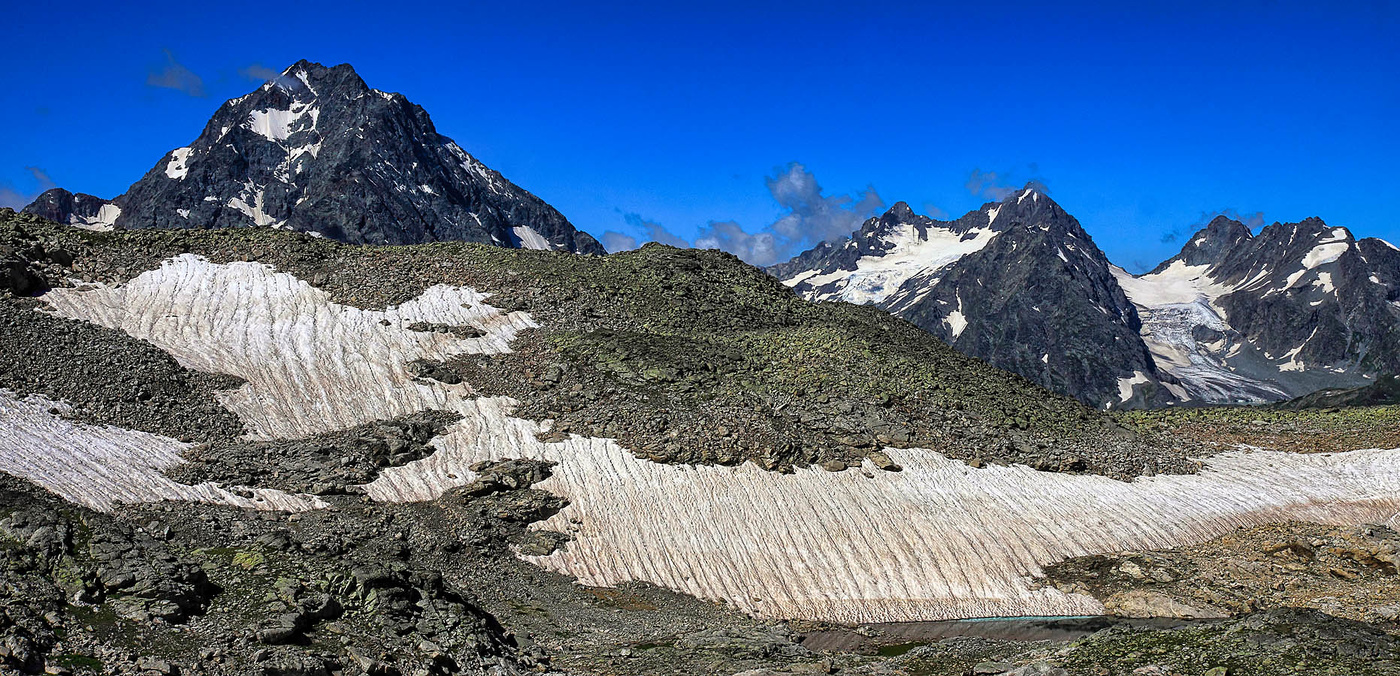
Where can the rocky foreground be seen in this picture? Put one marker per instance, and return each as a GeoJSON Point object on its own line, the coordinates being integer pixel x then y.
{"type": "Point", "coordinates": [645, 348]}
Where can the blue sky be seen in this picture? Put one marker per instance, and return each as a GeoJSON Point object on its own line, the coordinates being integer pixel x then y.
{"type": "Point", "coordinates": [1140, 118]}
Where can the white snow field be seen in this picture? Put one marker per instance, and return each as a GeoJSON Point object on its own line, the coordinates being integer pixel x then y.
{"type": "Point", "coordinates": [101, 466]}
{"type": "Point", "coordinates": [937, 540]}
{"type": "Point", "coordinates": [877, 277]}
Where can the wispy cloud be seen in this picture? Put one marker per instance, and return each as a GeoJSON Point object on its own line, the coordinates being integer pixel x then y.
{"type": "Point", "coordinates": [810, 216]}
{"type": "Point", "coordinates": [615, 241]}
{"type": "Point", "coordinates": [176, 76]}
{"type": "Point", "coordinates": [260, 73]}
{"type": "Point", "coordinates": [1251, 220]}
{"type": "Point", "coordinates": [16, 199]}
{"type": "Point", "coordinates": [997, 185]}
{"type": "Point", "coordinates": [761, 248]}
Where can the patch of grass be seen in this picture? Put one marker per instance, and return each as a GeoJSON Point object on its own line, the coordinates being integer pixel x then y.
{"type": "Point", "coordinates": [248, 560]}
{"type": "Point", "coordinates": [80, 663]}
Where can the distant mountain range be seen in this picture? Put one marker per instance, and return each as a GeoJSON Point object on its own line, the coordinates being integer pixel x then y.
{"type": "Point", "coordinates": [316, 150]}
{"type": "Point", "coordinates": [1234, 318]}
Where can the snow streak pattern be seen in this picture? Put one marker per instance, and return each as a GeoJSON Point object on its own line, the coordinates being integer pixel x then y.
{"type": "Point", "coordinates": [938, 540]}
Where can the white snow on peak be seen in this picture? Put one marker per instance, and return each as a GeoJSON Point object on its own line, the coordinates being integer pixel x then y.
{"type": "Point", "coordinates": [427, 189]}
{"type": "Point", "coordinates": [184, 213]}
{"type": "Point", "coordinates": [1173, 303]}
{"type": "Point", "coordinates": [1179, 283]}
{"type": "Point", "coordinates": [530, 239]}
{"type": "Point", "coordinates": [311, 149]}
{"type": "Point", "coordinates": [1029, 192]}
{"type": "Point", "coordinates": [470, 164]}
{"type": "Point", "coordinates": [1325, 252]}
{"type": "Point", "coordinates": [1324, 280]}
{"type": "Point", "coordinates": [1375, 279]}
{"type": "Point", "coordinates": [877, 277]}
{"type": "Point", "coordinates": [177, 167]}
{"type": "Point", "coordinates": [1337, 235]}
{"type": "Point", "coordinates": [276, 125]}
{"type": "Point", "coordinates": [992, 214]}
{"type": "Point", "coordinates": [800, 277]}
{"type": "Point", "coordinates": [1397, 248]}
{"type": "Point", "coordinates": [301, 75]}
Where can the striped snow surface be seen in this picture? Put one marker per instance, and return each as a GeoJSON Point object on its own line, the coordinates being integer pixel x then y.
{"type": "Point", "coordinates": [938, 540]}
{"type": "Point", "coordinates": [101, 466]}
{"type": "Point", "coordinates": [312, 366]}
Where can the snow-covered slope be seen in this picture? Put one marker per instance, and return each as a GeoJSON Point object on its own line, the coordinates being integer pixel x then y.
{"type": "Point", "coordinates": [936, 540]}
{"type": "Point", "coordinates": [316, 150]}
{"type": "Point", "coordinates": [872, 265]}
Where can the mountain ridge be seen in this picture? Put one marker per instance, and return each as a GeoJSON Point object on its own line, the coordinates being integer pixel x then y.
{"type": "Point", "coordinates": [1162, 335]}
{"type": "Point", "coordinates": [969, 281]}
{"type": "Point", "coordinates": [315, 149]}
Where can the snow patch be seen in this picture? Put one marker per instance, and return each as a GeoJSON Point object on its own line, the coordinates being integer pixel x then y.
{"type": "Point", "coordinates": [178, 168]}
{"type": "Point", "coordinates": [100, 466]}
{"type": "Point", "coordinates": [956, 321]}
{"type": "Point", "coordinates": [276, 125]}
{"type": "Point", "coordinates": [938, 540]}
{"type": "Point", "coordinates": [1325, 253]}
{"type": "Point", "coordinates": [1125, 385]}
{"type": "Point", "coordinates": [253, 211]}
{"type": "Point", "coordinates": [877, 277]}
{"type": "Point", "coordinates": [529, 239]}
{"type": "Point", "coordinates": [103, 221]}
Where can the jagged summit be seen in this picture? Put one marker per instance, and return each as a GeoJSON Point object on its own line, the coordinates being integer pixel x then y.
{"type": "Point", "coordinates": [900, 210]}
{"type": "Point", "coordinates": [988, 283]}
{"type": "Point", "coordinates": [1242, 318]}
{"type": "Point", "coordinates": [315, 149]}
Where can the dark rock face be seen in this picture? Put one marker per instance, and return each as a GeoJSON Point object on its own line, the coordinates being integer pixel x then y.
{"type": "Point", "coordinates": [1016, 283]}
{"type": "Point", "coordinates": [1384, 392]}
{"type": "Point", "coordinates": [316, 150]}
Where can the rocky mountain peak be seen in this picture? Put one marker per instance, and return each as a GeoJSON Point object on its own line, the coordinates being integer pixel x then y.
{"type": "Point", "coordinates": [315, 149]}
{"type": "Point", "coordinates": [1027, 206]}
{"type": "Point", "coordinates": [1211, 244]}
{"type": "Point", "coordinates": [900, 211]}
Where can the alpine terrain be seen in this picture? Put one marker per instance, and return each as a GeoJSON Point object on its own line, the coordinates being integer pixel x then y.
{"type": "Point", "coordinates": [316, 150]}
{"type": "Point", "coordinates": [254, 451]}
{"type": "Point", "coordinates": [1233, 318]}
{"type": "Point", "coordinates": [321, 395]}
